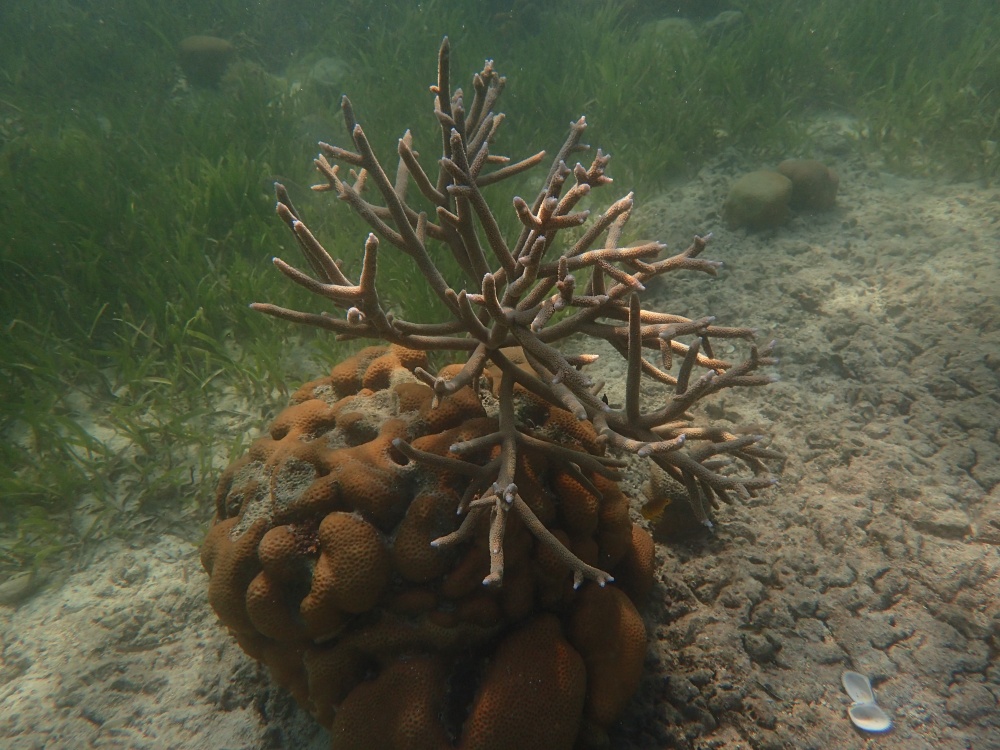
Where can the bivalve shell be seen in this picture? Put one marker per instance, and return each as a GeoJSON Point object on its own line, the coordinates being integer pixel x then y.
{"type": "Point", "coordinates": [869, 717]}
{"type": "Point", "coordinates": [858, 687]}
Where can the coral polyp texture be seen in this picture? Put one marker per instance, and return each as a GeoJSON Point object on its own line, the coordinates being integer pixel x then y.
{"type": "Point", "coordinates": [446, 559]}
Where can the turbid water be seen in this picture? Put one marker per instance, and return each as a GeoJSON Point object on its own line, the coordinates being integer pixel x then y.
{"type": "Point", "coordinates": [135, 231]}
{"type": "Point", "coordinates": [878, 552]}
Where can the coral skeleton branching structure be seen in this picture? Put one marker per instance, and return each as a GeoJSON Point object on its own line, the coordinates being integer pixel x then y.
{"type": "Point", "coordinates": [524, 298]}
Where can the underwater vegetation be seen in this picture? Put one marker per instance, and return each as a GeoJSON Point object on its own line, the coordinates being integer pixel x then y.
{"type": "Point", "coordinates": [137, 206]}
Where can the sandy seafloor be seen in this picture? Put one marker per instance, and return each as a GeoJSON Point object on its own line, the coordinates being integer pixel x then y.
{"type": "Point", "coordinates": [879, 551]}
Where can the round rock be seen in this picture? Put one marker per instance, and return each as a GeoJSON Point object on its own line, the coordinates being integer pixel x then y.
{"type": "Point", "coordinates": [814, 185]}
{"type": "Point", "coordinates": [330, 73]}
{"type": "Point", "coordinates": [758, 200]}
{"type": "Point", "coordinates": [204, 59]}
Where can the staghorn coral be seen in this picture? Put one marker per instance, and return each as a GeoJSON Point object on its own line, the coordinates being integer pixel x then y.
{"type": "Point", "coordinates": [405, 550]}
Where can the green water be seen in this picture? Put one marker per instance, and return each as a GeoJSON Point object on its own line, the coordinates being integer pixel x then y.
{"type": "Point", "coordinates": [137, 221]}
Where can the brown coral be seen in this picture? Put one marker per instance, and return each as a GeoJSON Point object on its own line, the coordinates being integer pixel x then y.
{"type": "Point", "coordinates": [532, 694]}
{"type": "Point", "coordinates": [333, 581]}
{"type": "Point", "coordinates": [440, 545]}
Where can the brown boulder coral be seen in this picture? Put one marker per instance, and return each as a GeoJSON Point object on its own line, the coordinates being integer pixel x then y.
{"type": "Point", "coordinates": [423, 560]}
{"type": "Point", "coordinates": [204, 59]}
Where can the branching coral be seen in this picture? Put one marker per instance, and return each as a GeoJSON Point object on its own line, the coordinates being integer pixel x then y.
{"type": "Point", "coordinates": [337, 557]}
{"type": "Point", "coordinates": [527, 297]}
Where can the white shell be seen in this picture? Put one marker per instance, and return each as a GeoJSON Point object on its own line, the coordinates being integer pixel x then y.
{"type": "Point", "coordinates": [869, 717]}
{"type": "Point", "coordinates": [858, 687]}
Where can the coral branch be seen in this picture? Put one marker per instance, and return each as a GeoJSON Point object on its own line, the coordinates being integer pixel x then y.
{"type": "Point", "coordinates": [530, 295]}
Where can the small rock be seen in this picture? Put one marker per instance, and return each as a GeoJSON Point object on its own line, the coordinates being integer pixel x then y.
{"type": "Point", "coordinates": [727, 20]}
{"type": "Point", "coordinates": [681, 691]}
{"type": "Point", "coordinates": [814, 185]}
{"type": "Point", "coordinates": [987, 526]}
{"type": "Point", "coordinates": [670, 34]}
{"type": "Point", "coordinates": [724, 700]}
{"type": "Point", "coordinates": [946, 524]}
{"type": "Point", "coordinates": [204, 59]}
{"type": "Point", "coordinates": [970, 701]}
{"type": "Point", "coordinates": [884, 631]}
{"type": "Point", "coordinates": [802, 602]}
{"type": "Point", "coordinates": [761, 648]}
{"type": "Point", "coordinates": [19, 586]}
{"type": "Point", "coordinates": [772, 615]}
{"type": "Point", "coordinates": [758, 200]}
{"type": "Point", "coordinates": [330, 73]}
{"type": "Point", "coordinates": [835, 576]}
{"type": "Point", "coordinates": [761, 711]}
{"type": "Point", "coordinates": [986, 470]}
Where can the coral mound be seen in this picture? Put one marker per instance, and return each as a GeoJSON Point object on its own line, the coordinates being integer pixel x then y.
{"type": "Point", "coordinates": [326, 561]}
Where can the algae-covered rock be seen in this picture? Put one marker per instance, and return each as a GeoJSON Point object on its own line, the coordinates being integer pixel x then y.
{"type": "Point", "coordinates": [727, 20]}
{"type": "Point", "coordinates": [758, 200]}
{"type": "Point", "coordinates": [814, 185]}
{"type": "Point", "coordinates": [330, 74]}
{"type": "Point", "coordinates": [670, 34]}
{"type": "Point", "coordinates": [204, 59]}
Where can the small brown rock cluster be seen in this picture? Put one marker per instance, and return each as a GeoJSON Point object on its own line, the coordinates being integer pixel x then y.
{"type": "Point", "coordinates": [204, 59]}
{"type": "Point", "coordinates": [763, 199]}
